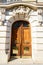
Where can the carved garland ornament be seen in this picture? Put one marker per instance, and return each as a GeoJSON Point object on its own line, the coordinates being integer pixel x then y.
{"type": "Point", "coordinates": [21, 10]}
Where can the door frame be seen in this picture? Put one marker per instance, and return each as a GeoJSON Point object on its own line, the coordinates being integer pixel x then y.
{"type": "Point", "coordinates": [9, 57]}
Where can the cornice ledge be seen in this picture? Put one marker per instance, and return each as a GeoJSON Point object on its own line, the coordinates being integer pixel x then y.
{"type": "Point", "coordinates": [39, 5]}
{"type": "Point", "coordinates": [8, 6]}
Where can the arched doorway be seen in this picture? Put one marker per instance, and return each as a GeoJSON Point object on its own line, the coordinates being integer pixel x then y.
{"type": "Point", "coordinates": [21, 39]}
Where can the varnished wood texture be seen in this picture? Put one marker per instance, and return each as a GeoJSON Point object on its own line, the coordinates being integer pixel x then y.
{"type": "Point", "coordinates": [21, 40]}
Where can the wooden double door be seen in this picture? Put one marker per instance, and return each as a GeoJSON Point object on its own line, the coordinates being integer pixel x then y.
{"type": "Point", "coordinates": [21, 39]}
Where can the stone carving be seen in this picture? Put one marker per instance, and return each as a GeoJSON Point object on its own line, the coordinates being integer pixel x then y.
{"type": "Point", "coordinates": [2, 14]}
{"type": "Point", "coordinates": [40, 12]}
{"type": "Point", "coordinates": [21, 10]}
{"type": "Point", "coordinates": [3, 11]}
{"type": "Point", "coordinates": [41, 23]}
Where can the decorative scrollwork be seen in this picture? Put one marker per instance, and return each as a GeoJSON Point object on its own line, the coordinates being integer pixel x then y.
{"type": "Point", "coordinates": [21, 9]}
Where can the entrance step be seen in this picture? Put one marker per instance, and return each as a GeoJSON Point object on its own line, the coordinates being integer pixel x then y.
{"type": "Point", "coordinates": [21, 61]}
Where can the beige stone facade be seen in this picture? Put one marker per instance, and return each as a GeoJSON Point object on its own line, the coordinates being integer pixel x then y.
{"type": "Point", "coordinates": [32, 12]}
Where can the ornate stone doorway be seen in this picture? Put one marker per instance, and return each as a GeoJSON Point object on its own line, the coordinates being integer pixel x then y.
{"type": "Point", "coordinates": [22, 13]}
{"type": "Point", "coordinates": [21, 39]}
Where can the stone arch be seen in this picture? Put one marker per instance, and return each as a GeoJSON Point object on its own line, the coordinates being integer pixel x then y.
{"type": "Point", "coordinates": [11, 22]}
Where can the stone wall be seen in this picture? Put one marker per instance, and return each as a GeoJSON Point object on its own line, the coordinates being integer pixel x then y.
{"type": "Point", "coordinates": [39, 36]}
{"type": "Point", "coordinates": [6, 22]}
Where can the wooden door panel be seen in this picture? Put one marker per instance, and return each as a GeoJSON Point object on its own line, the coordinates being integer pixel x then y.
{"type": "Point", "coordinates": [16, 51]}
{"type": "Point", "coordinates": [16, 36]}
{"type": "Point", "coordinates": [16, 40]}
{"type": "Point", "coordinates": [21, 41]}
{"type": "Point", "coordinates": [26, 42]}
{"type": "Point", "coordinates": [26, 50]}
{"type": "Point", "coordinates": [27, 35]}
